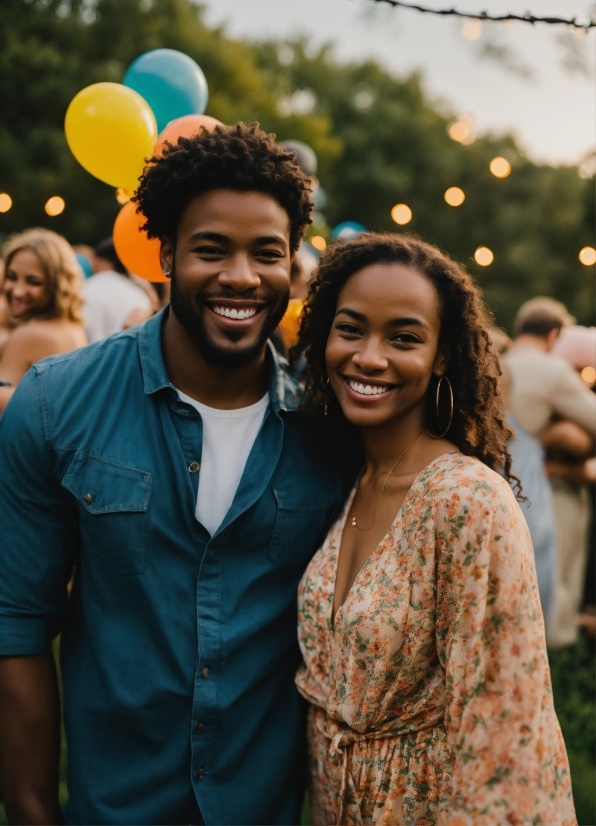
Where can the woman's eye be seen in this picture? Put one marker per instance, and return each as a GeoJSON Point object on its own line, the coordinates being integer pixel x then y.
{"type": "Point", "coordinates": [269, 255]}
{"type": "Point", "coordinates": [405, 338]}
{"type": "Point", "coordinates": [348, 329]}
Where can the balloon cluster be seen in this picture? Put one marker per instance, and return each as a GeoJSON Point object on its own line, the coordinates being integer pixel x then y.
{"type": "Point", "coordinates": [112, 128]}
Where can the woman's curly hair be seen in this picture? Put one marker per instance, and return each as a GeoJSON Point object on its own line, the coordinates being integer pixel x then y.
{"type": "Point", "coordinates": [59, 263]}
{"type": "Point", "coordinates": [241, 158]}
{"type": "Point", "coordinates": [478, 426]}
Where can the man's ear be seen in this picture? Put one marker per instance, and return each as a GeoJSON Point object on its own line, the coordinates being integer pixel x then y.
{"type": "Point", "coordinates": [166, 256]}
{"type": "Point", "coordinates": [442, 359]}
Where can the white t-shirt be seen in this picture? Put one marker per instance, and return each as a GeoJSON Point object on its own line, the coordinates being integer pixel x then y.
{"type": "Point", "coordinates": [228, 437]}
{"type": "Point", "coordinates": [109, 299]}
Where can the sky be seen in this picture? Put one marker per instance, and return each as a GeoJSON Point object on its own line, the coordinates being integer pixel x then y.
{"type": "Point", "coordinates": [549, 108]}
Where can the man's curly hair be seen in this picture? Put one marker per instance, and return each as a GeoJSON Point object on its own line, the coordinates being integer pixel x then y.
{"type": "Point", "coordinates": [241, 158]}
{"type": "Point", "coordinates": [478, 427]}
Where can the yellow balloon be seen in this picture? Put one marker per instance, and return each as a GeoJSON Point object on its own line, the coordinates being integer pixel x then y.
{"type": "Point", "coordinates": [110, 130]}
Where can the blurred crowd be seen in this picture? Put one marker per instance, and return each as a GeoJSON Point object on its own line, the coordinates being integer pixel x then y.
{"type": "Point", "coordinates": [55, 298]}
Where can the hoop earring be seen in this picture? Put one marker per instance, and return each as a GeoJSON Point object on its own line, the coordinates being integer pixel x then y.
{"type": "Point", "coordinates": [444, 433]}
{"type": "Point", "coordinates": [325, 404]}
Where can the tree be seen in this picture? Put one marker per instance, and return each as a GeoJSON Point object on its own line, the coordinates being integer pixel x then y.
{"type": "Point", "coordinates": [379, 139]}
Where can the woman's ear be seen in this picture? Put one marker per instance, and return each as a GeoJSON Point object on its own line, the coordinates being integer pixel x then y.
{"type": "Point", "coordinates": [441, 362]}
{"type": "Point", "coordinates": [166, 256]}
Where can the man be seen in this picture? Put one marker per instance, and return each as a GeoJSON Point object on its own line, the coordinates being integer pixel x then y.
{"type": "Point", "coordinates": [171, 467]}
{"type": "Point", "coordinates": [111, 295]}
{"type": "Point", "coordinates": [544, 386]}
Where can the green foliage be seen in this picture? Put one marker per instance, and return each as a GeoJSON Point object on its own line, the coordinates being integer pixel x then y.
{"type": "Point", "coordinates": [573, 672]}
{"type": "Point", "coordinates": [380, 140]}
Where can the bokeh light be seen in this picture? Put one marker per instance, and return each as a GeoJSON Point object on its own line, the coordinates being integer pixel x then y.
{"type": "Point", "coordinates": [587, 255]}
{"type": "Point", "coordinates": [5, 202]}
{"type": "Point", "coordinates": [500, 167]}
{"type": "Point", "coordinates": [462, 130]}
{"type": "Point", "coordinates": [318, 242]}
{"type": "Point", "coordinates": [401, 214]}
{"type": "Point", "coordinates": [588, 374]}
{"type": "Point", "coordinates": [55, 205]}
{"type": "Point", "coordinates": [454, 196]}
{"type": "Point", "coordinates": [484, 256]}
{"type": "Point", "coordinates": [472, 30]}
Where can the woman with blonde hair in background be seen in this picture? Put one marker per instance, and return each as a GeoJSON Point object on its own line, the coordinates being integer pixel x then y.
{"type": "Point", "coordinates": [42, 286]}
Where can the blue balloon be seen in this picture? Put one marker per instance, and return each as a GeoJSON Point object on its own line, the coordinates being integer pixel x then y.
{"type": "Point", "coordinates": [171, 82]}
{"type": "Point", "coordinates": [348, 230]}
{"type": "Point", "coordinates": [84, 264]}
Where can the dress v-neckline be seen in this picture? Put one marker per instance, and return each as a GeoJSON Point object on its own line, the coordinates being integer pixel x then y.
{"type": "Point", "coordinates": [342, 524]}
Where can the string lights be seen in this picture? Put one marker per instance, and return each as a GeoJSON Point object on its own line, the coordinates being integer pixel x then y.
{"type": "Point", "coordinates": [497, 18]}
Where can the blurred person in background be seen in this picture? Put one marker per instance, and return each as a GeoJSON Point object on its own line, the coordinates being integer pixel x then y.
{"type": "Point", "coordinates": [111, 295]}
{"type": "Point", "coordinates": [84, 254]}
{"type": "Point", "coordinates": [571, 465]}
{"type": "Point", "coordinates": [528, 455]}
{"type": "Point", "coordinates": [42, 288]}
{"type": "Point", "coordinates": [546, 389]}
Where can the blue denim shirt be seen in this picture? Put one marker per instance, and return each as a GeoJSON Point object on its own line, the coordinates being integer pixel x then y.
{"type": "Point", "coordinates": [178, 648]}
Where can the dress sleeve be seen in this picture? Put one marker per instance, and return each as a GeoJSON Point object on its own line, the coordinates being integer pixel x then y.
{"type": "Point", "coordinates": [499, 717]}
{"type": "Point", "coordinates": [35, 536]}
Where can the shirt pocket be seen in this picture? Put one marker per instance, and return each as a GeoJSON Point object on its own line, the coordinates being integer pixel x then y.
{"type": "Point", "coordinates": [300, 527]}
{"type": "Point", "coordinates": [113, 502]}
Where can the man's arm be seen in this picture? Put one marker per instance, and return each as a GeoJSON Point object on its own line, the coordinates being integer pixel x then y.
{"type": "Point", "coordinates": [36, 554]}
{"type": "Point", "coordinates": [29, 739]}
{"type": "Point", "coordinates": [573, 400]}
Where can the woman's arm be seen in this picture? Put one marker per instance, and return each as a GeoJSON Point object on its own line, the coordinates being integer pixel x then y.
{"type": "Point", "coordinates": [499, 714]}
{"type": "Point", "coordinates": [568, 437]}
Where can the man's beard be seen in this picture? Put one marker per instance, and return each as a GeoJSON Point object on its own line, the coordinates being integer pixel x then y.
{"type": "Point", "coordinates": [191, 315]}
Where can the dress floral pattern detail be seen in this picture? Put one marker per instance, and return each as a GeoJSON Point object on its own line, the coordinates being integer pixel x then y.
{"type": "Point", "coordinates": [430, 693]}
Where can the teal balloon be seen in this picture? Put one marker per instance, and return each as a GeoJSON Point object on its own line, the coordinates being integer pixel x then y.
{"type": "Point", "coordinates": [171, 82]}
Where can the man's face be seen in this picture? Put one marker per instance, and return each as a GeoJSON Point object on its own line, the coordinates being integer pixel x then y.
{"type": "Point", "coordinates": [230, 273]}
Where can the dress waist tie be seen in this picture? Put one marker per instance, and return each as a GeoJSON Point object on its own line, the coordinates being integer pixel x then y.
{"type": "Point", "coordinates": [341, 738]}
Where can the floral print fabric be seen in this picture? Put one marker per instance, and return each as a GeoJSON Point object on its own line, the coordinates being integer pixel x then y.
{"type": "Point", "coordinates": [430, 692]}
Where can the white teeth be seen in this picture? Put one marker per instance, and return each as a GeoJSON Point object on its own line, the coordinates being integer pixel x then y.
{"type": "Point", "coordinates": [368, 389]}
{"type": "Point", "coordinates": [239, 315]}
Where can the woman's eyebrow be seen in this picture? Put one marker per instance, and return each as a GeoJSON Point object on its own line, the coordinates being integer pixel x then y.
{"type": "Point", "coordinates": [352, 313]}
{"type": "Point", "coordinates": [394, 322]}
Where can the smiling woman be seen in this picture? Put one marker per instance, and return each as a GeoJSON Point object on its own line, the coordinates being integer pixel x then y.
{"type": "Point", "coordinates": [420, 612]}
{"type": "Point", "coordinates": [42, 286]}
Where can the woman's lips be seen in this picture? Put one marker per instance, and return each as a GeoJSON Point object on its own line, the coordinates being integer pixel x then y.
{"type": "Point", "coordinates": [367, 391]}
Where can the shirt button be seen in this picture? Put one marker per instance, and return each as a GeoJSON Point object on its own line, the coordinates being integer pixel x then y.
{"type": "Point", "coordinates": [194, 467]}
{"type": "Point", "coordinates": [200, 774]}
{"type": "Point", "coordinates": [88, 497]}
{"type": "Point", "coordinates": [205, 673]}
{"type": "Point", "coordinates": [200, 728]}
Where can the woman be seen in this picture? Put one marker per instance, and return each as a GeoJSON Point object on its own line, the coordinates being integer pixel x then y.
{"type": "Point", "coordinates": [419, 618]}
{"type": "Point", "coordinates": [42, 286]}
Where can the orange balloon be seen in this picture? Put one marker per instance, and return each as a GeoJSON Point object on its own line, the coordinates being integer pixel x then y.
{"type": "Point", "coordinates": [138, 253]}
{"type": "Point", "coordinates": [185, 127]}
{"type": "Point", "coordinates": [290, 323]}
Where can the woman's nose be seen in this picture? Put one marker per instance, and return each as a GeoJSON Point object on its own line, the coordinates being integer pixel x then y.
{"type": "Point", "coordinates": [370, 357]}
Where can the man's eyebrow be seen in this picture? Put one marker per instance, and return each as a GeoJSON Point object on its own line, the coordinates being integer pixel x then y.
{"type": "Point", "coordinates": [394, 322]}
{"type": "Point", "coordinates": [219, 238]}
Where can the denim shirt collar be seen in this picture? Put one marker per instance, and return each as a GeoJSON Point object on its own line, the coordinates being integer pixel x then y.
{"type": "Point", "coordinates": [284, 390]}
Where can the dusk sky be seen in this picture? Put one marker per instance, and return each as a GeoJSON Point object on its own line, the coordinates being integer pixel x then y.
{"type": "Point", "coordinates": [552, 112]}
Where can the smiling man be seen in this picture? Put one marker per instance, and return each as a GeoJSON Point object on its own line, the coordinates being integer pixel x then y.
{"type": "Point", "coordinates": [170, 469]}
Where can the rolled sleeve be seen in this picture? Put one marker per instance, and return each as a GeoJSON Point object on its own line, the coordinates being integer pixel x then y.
{"type": "Point", "coordinates": [36, 538]}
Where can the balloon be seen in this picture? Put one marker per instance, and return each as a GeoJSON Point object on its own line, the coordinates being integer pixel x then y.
{"type": "Point", "coordinates": [110, 130]}
{"type": "Point", "coordinates": [171, 82]}
{"type": "Point", "coordinates": [348, 230]}
{"type": "Point", "coordinates": [290, 323]}
{"type": "Point", "coordinates": [84, 264]}
{"type": "Point", "coordinates": [184, 127]}
{"type": "Point", "coordinates": [138, 253]}
{"type": "Point", "coordinates": [305, 156]}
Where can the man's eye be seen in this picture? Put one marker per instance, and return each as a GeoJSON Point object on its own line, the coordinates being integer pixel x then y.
{"type": "Point", "coordinates": [210, 251]}
{"type": "Point", "coordinates": [269, 255]}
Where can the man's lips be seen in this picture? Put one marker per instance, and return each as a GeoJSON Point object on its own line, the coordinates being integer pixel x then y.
{"type": "Point", "coordinates": [235, 314]}
{"type": "Point", "coordinates": [367, 391]}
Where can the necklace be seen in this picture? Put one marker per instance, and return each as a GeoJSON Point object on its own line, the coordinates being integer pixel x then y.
{"type": "Point", "coordinates": [354, 522]}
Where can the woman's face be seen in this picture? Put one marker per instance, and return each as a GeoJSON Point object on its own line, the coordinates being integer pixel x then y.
{"type": "Point", "coordinates": [26, 285]}
{"type": "Point", "coordinates": [383, 347]}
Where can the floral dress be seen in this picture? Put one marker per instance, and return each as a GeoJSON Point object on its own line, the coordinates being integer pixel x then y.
{"type": "Point", "coordinates": [430, 693]}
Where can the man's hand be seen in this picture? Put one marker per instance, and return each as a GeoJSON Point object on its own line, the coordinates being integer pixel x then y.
{"type": "Point", "coordinates": [29, 739]}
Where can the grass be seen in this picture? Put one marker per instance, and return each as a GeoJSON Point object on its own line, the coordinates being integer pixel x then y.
{"type": "Point", "coordinates": [573, 672]}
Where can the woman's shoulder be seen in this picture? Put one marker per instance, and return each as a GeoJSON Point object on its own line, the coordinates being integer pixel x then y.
{"type": "Point", "coordinates": [455, 477]}
{"type": "Point", "coordinates": [48, 333]}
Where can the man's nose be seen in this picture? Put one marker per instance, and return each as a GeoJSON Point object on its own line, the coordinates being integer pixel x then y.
{"type": "Point", "coordinates": [239, 275]}
{"type": "Point", "coordinates": [370, 356]}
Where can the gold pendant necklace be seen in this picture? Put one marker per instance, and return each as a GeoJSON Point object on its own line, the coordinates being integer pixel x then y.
{"type": "Point", "coordinates": [354, 522]}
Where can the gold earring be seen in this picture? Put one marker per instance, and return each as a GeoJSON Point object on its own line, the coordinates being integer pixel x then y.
{"type": "Point", "coordinates": [444, 433]}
